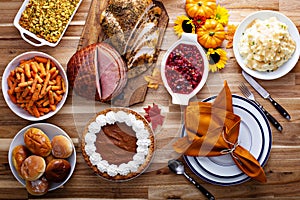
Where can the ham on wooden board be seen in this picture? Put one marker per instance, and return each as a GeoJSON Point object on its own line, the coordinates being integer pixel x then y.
{"type": "Point", "coordinates": [97, 72]}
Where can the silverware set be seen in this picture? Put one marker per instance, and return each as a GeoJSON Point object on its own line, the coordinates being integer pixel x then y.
{"type": "Point", "coordinates": [248, 94]}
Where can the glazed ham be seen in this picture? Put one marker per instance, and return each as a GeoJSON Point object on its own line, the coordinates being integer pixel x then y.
{"type": "Point", "coordinates": [97, 72]}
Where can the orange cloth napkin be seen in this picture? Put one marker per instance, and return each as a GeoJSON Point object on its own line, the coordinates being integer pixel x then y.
{"type": "Point", "coordinates": [213, 130]}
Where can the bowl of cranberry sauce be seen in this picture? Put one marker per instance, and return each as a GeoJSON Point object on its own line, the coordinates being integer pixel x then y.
{"type": "Point", "coordinates": [184, 69]}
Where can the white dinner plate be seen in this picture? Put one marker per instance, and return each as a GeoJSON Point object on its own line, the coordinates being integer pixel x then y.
{"type": "Point", "coordinates": [287, 66]}
{"type": "Point", "coordinates": [255, 135]}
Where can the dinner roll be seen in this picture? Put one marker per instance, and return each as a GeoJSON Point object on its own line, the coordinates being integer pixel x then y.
{"type": "Point", "coordinates": [37, 187]}
{"type": "Point", "coordinates": [37, 142]}
{"type": "Point", "coordinates": [57, 170]}
{"type": "Point", "coordinates": [19, 154]}
{"type": "Point", "coordinates": [33, 168]}
{"type": "Point", "coordinates": [62, 147]}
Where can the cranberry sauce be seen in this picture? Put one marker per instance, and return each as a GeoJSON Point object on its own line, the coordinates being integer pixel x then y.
{"type": "Point", "coordinates": [184, 68]}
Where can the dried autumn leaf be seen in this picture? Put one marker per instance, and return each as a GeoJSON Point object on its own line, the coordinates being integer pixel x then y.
{"type": "Point", "coordinates": [229, 35]}
{"type": "Point", "coordinates": [153, 116]}
{"type": "Point", "coordinates": [155, 79]}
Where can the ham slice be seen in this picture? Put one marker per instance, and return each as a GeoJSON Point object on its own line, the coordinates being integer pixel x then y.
{"type": "Point", "coordinates": [97, 72]}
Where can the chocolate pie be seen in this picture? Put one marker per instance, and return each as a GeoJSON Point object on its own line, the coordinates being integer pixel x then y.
{"type": "Point", "coordinates": [118, 144]}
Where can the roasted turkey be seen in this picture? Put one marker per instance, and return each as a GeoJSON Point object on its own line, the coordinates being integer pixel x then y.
{"type": "Point", "coordinates": [133, 28]}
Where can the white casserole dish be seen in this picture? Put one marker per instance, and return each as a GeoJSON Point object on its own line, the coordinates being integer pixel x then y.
{"type": "Point", "coordinates": [30, 37]}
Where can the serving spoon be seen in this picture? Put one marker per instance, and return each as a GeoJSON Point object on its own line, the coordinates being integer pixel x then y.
{"type": "Point", "coordinates": [177, 167]}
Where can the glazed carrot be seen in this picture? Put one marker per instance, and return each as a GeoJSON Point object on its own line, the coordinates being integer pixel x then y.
{"type": "Point", "coordinates": [35, 111]}
{"type": "Point", "coordinates": [19, 69]}
{"type": "Point", "coordinates": [18, 89]}
{"type": "Point", "coordinates": [52, 70]}
{"type": "Point", "coordinates": [33, 67]}
{"type": "Point", "coordinates": [12, 97]}
{"type": "Point", "coordinates": [23, 101]}
{"type": "Point", "coordinates": [30, 103]}
{"type": "Point", "coordinates": [57, 97]}
{"type": "Point", "coordinates": [22, 63]}
{"type": "Point", "coordinates": [53, 76]}
{"type": "Point", "coordinates": [46, 103]}
{"type": "Point", "coordinates": [51, 98]}
{"type": "Point", "coordinates": [45, 83]}
{"type": "Point", "coordinates": [25, 84]}
{"type": "Point", "coordinates": [29, 109]}
{"type": "Point", "coordinates": [63, 86]}
{"type": "Point", "coordinates": [18, 76]}
{"type": "Point", "coordinates": [45, 93]}
{"type": "Point", "coordinates": [40, 59]}
{"type": "Point", "coordinates": [44, 110]}
{"type": "Point", "coordinates": [40, 80]}
{"type": "Point", "coordinates": [52, 82]}
{"type": "Point", "coordinates": [22, 78]}
{"type": "Point", "coordinates": [10, 81]}
{"type": "Point", "coordinates": [36, 93]}
{"type": "Point", "coordinates": [48, 65]}
{"type": "Point", "coordinates": [52, 63]}
{"type": "Point", "coordinates": [42, 70]}
{"type": "Point", "coordinates": [59, 92]}
{"type": "Point", "coordinates": [18, 95]}
{"type": "Point", "coordinates": [58, 80]}
{"type": "Point", "coordinates": [25, 92]}
{"type": "Point", "coordinates": [27, 70]}
{"type": "Point", "coordinates": [55, 87]}
{"type": "Point", "coordinates": [34, 84]}
{"type": "Point", "coordinates": [52, 107]}
{"type": "Point", "coordinates": [41, 101]}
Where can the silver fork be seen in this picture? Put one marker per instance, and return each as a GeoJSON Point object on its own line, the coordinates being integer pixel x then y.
{"type": "Point", "coordinates": [248, 94]}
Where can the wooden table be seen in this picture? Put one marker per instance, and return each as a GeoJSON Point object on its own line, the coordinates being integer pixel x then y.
{"type": "Point", "coordinates": [282, 168]}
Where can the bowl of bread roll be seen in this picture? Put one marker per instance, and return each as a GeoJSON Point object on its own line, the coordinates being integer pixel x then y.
{"type": "Point", "coordinates": [42, 157]}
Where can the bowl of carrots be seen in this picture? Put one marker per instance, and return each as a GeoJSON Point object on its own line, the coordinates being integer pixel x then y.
{"type": "Point", "coordinates": [34, 86]}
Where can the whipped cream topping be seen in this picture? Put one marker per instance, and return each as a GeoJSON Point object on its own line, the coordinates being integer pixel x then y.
{"type": "Point", "coordinates": [143, 143]}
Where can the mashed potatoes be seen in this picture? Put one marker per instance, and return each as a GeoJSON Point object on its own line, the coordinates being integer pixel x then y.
{"type": "Point", "coordinates": [266, 44]}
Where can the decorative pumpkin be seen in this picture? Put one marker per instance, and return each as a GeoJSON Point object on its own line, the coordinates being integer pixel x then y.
{"type": "Point", "coordinates": [200, 8]}
{"type": "Point", "coordinates": [211, 34]}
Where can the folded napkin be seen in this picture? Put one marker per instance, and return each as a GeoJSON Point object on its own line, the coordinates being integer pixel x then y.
{"type": "Point", "coordinates": [213, 130]}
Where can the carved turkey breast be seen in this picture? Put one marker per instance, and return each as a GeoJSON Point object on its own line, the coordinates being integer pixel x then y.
{"type": "Point", "coordinates": [133, 28]}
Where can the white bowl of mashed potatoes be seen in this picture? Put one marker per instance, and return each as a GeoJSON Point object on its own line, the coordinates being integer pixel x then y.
{"type": "Point", "coordinates": [266, 45]}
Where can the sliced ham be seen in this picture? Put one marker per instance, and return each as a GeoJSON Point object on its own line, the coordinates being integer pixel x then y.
{"type": "Point", "coordinates": [97, 72]}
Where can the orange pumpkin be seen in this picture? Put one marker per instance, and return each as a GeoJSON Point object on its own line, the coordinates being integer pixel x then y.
{"type": "Point", "coordinates": [200, 8]}
{"type": "Point", "coordinates": [211, 34]}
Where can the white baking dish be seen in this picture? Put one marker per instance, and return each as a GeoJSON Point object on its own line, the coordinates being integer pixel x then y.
{"type": "Point", "coordinates": [30, 37]}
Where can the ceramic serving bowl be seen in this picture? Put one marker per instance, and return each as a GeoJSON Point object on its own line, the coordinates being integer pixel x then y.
{"type": "Point", "coordinates": [31, 37]}
{"type": "Point", "coordinates": [184, 69]}
{"type": "Point", "coordinates": [283, 69]}
{"type": "Point", "coordinates": [5, 87]}
{"type": "Point", "coordinates": [50, 130]}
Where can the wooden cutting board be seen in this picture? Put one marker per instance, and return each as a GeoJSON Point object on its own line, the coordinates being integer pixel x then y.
{"type": "Point", "coordinates": [135, 90]}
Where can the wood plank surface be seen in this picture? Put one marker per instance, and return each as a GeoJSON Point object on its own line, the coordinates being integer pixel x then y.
{"type": "Point", "coordinates": [282, 168]}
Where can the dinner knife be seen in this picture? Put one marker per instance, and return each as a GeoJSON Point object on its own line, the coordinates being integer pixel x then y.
{"type": "Point", "coordinates": [260, 90]}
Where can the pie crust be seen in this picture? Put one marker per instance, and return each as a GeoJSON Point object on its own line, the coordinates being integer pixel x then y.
{"type": "Point", "coordinates": [145, 144]}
